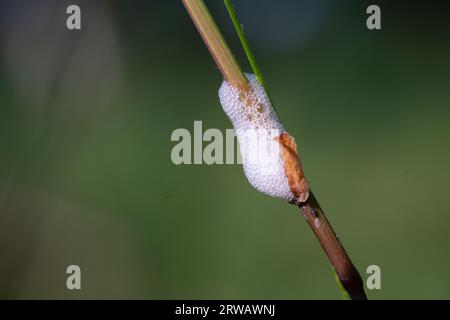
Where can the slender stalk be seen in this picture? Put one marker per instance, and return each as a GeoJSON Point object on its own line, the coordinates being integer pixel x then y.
{"type": "Point", "coordinates": [245, 44]}
{"type": "Point", "coordinates": [346, 272]}
{"type": "Point", "coordinates": [312, 212]}
{"type": "Point", "coordinates": [216, 44]}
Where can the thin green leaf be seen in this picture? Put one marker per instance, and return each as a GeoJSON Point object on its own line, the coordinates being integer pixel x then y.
{"type": "Point", "coordinates": [342, 290]}
{"type": "Point", "coordinates": [244, 42]}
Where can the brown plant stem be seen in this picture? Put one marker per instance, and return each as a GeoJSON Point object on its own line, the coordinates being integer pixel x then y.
{"type": "Point", "coordinates": [347, 273]}
{"type": "Point", "coordinates": [312, 212]}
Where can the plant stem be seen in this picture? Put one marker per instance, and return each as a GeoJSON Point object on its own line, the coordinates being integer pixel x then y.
{"type": "Point", "coordinates": [244, 42]}
{"type": "Point", "coordinates": [216, 44]}
{"type": "Point", "coordinates": [335, 252]}
{"type": "Point", "coordinates": [347, 273]}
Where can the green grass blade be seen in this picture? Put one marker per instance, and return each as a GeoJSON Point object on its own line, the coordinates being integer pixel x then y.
{"type": "Point", "coordinates": [342, 290]}
{"type": "Point", "coordinates": [244, 42]}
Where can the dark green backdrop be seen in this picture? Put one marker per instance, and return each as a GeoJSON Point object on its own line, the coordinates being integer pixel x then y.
{"type": "Point", "coordinates": [86, 176]}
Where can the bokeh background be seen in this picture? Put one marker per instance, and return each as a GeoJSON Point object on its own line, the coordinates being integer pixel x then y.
{"type": "Point", "coordinates": [86, 176]}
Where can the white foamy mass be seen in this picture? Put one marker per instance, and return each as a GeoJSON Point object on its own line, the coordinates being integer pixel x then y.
{"type": "Point", "coordinates": [257, 129]}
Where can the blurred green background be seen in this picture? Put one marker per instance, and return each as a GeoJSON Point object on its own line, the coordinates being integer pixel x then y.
{"type": "Point", "coordinates": [86, 176]}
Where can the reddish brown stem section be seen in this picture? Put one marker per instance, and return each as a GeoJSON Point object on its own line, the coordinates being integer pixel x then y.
{"type": "Point", "coordinates": [347, 273]}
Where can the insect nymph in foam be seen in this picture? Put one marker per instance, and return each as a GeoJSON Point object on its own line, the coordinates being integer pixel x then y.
{"type": "Point", "coordinates": [269, 153]}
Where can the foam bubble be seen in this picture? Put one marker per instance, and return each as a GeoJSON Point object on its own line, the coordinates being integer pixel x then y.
{"type": "Point", "coordinates": [257, 129]}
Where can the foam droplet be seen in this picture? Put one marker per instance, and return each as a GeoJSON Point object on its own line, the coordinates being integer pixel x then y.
{"type": "Point", "coordinates": [258, 130]}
